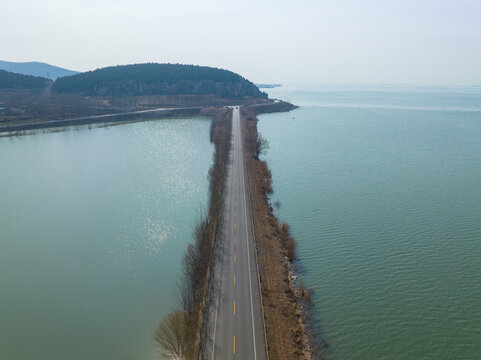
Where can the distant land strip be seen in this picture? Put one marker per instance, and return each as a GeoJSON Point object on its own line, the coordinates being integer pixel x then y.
{"type": "Point", "coordinates": [105, 118]}
{"type": "Point", "coordinates": [268, 86]}
{"type": "Point", "coordinates": [119, 93]}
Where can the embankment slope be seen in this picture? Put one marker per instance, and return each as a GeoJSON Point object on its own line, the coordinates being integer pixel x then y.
{"type": "Point", "coordinates": [285, 317]}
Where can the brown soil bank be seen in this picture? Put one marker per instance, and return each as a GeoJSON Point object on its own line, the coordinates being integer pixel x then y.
{"type": "Point", "coordinates": [287, 335]}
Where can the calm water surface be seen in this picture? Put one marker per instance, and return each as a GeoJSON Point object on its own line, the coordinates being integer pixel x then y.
{"type": "Point", "coordinates": [381, 187]}
{"type": "Point", "coordinates": [93, 225]}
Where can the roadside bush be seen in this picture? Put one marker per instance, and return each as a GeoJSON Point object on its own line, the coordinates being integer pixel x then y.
{"type": "Point", "coordinates": [291, 248]}
{"type": "Point", "coordinates": [304, 293]}
{"type": "Point", "coordinates": [285, 229]}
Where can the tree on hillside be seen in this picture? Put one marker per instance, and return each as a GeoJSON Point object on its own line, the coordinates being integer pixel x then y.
{"type": "Point", "coordinates": [9, 80]}
{"type": "Point", "coordinates": [158, 79]}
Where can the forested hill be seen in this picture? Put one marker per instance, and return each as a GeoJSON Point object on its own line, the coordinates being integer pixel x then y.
{"type": "Point", "coordinates": [158, 79]}
{"type": "Point", "coordinates": [9, 80]}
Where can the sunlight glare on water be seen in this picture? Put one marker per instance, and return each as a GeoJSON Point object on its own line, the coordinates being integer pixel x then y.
{"type": "Point", "coordinates": [93, 226]}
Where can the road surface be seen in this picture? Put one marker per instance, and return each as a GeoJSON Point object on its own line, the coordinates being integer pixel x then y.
{"type": "Point", "coordinates": [237, 327]}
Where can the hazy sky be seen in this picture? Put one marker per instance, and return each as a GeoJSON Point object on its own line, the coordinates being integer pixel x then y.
{"type": "Point", "coordinates": [341, 41]}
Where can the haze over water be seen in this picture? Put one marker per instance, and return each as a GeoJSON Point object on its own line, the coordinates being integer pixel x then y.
{"type": "Point", "coordinates": [381, 187]}
{"type": "Point", "coordinates": [93, 227]}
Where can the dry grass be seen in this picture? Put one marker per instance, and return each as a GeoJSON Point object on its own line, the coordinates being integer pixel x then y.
{"type": "Point", "coordinates": [303, 293]}
{"type": "Point", "coordinates": [290, 248]}
{"type": "Point", "coordinates": [285, 329]}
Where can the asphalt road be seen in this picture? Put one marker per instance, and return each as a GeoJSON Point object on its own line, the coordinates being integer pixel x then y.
{"type": "Point", "coordinates": [237, 328]}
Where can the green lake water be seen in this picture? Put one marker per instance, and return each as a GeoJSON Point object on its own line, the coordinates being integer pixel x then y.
{"type": "Point", "coordinates": [93, 226]}
{"type": "Point", "coordinates": [382, 189]}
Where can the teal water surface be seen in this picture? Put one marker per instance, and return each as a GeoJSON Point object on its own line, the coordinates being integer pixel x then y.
{"type": "Point", "coordinates": [384, 199]}
{"type": "Point", "coordinates": [93, 226]}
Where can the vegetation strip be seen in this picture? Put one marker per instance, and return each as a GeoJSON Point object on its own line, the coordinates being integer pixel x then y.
{"type": "Point", "coordinates": [285, 306]}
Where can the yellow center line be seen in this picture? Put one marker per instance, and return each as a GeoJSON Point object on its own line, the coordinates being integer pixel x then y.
{"type": "Point", "coordinates": [235, 257]}
{"type": "Point", "coordinates": [235, 239]}
{"type": "Point", "coordinates": [234, 279]}
{"type": "Point", "coordinates": [234, 307]}
{"type": "Point", "coordinates": [235, 213]}
{"type": "Point", "coordinates": [234, 344]}
{"type": "Point", "coordinates": [235, 203]}
{"type": "Point", "coordinates": [235, 225]}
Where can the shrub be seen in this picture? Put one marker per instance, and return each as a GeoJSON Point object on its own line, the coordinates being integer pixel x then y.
{"type": "Point", "coordinates": [291, 248]}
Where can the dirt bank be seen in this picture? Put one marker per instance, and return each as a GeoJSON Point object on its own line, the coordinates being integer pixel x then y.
{"type": "Point", "coordinates": [285, 317]}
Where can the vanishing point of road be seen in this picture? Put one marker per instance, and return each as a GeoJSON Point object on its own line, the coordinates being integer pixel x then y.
{"type": "Point", "coordinates": [237, 329]}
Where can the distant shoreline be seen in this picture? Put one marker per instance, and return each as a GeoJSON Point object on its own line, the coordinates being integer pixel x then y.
{"type": "Point", "coordinates": [110, 119]}
{"type": "Point", "coordinates": [268, 86]}
{"type": "Point", "coordinates": [119, 92]}
{"type": "Point", "coordinates": [197, 108]}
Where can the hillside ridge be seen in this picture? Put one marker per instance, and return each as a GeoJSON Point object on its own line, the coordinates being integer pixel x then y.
{"type": "Point", "coordinates": [158, 79]}
{"type": "Point", "coordinates": [36, 68]}
{"type": "Point", "coordinates": [10, 80]}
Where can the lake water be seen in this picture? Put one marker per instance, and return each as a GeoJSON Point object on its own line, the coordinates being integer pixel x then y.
{"type": "Point", "coordinates": [382, 188]}
{"type": "Point", "coordinates": [93, 226]}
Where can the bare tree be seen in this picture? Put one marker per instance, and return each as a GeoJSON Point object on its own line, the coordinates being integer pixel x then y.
{"type": "Point", "coordinates": [262, 145]}
{"type": "Point", "coordinates": [173, 335]}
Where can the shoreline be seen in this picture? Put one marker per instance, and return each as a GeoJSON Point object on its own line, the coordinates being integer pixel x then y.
{"type": "Point", "coordinates": [21, 127]}
{"type": "Point", "coordinates": [182, 333]}
{"type": "Point", "coordinates": [286, 303]}
{"type": "Point", "coordinates": [106, 119]}
{"type": "Point", "coordinates": [21, 111]}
